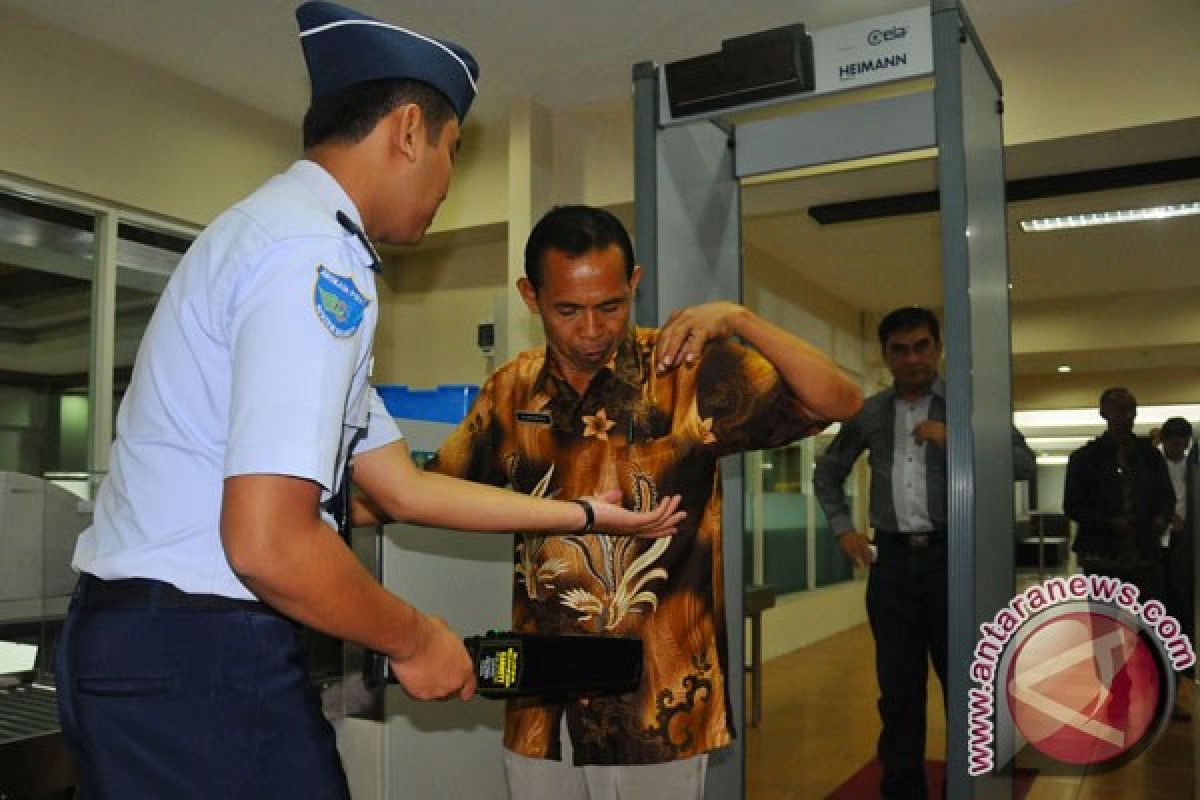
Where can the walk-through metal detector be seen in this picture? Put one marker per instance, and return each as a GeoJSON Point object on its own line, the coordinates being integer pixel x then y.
{"type": "Point", "coordinates": [688, 230]}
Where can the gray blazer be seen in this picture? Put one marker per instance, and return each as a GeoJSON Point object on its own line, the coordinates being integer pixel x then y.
{"type": "Point", "coordinates": [873, 428]}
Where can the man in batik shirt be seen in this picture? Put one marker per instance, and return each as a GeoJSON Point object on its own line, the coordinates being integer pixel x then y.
{"type": "Point", "coordinates": [606, 407]}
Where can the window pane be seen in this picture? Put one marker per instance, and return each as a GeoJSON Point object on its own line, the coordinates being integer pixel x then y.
{"type": "Point", "coordinates": [785, 519]}
{"type": "Point", "coordinates": [832, 564]}
{"type": "Point", "coordinates": [46, 267]}
{"type": "Point", "coordinates": [145, 260]}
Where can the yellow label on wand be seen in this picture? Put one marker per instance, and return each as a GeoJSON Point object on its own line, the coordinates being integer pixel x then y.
{"type": "Point", "coordinates": [500, 668]}
{"type": "Point", "coordinates": [506, 668]}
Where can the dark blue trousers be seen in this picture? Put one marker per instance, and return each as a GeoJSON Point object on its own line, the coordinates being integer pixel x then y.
{"type": "Point", "coordinates": [906, 606]}
{"type": "Point", "coordinates": [160, 698]}
{"type": "Point", "coordinates": [1178, 574]}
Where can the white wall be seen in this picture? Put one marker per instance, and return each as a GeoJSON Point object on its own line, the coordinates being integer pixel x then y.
{"type": "Point", "coordinates": [84, 118]}
{"type": "Point", "coordinates": [431, 300]}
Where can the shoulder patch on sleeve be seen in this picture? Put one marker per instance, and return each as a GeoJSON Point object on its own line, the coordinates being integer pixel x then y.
{"type": "Point", "coordinates": [338, 303]}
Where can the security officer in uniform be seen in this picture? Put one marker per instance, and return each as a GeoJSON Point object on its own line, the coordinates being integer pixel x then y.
{"type": "Point", "coordinates": [179, 670]}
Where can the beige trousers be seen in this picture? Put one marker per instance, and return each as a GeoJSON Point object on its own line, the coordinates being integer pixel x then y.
{"type": "Point", "coordinates": [546, 779]}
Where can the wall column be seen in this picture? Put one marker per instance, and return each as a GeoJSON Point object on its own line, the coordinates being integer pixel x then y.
{"type": "Point", "coordinates": [530, 176]}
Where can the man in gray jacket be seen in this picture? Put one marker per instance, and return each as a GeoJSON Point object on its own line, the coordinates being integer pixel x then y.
{"type": "Point", "coordinates": [904, 428]}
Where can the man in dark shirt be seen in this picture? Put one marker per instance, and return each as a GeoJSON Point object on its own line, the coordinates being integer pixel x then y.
{"type": "Point", "coordinates": [904, 428]}
{"type": "Point", "coordinates": [1119, 493]}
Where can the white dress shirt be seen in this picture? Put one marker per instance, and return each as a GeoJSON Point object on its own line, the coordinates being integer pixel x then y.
{"type": "Point", "coordinates": [909, 495]}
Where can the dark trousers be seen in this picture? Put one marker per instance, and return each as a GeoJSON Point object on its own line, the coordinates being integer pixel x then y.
{"type": "Point", "coordinates": [1178, 573]}
{"type": "Point", "coordinates": [165, 695]}
{"type": "Point", "coordinates": [906, 606]}
{"type": "Point", "coordinates": [1146, 574]}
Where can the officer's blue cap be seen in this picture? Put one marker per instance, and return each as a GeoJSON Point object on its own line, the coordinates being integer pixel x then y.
{"type": "Point", "coordinates": [343, 47]}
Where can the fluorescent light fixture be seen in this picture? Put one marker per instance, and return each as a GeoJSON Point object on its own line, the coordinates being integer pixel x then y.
{"type": "Point", "coordinates": [1045, 444]}
{"type": "Point", "coordinates": [1064, 367]}
{"type": "Point", "coordinates": [1147, 417]}
{"type": "Point", "coordinates": [1109, 217]}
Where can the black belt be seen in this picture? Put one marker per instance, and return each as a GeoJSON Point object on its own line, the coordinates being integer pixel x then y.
{"type": "Point", "coordinates": [913, 541]}
{"type": "Point", "coordinates": [96, 592]}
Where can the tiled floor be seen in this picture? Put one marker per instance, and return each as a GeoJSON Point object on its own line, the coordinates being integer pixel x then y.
{"type": "Point", "coordinates": [819, 727]}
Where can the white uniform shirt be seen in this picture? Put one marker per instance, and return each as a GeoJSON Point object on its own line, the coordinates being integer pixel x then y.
{"type": "Point", "coordinates": [909, 494]}
{"type": "Point", "coordinates": [1178, 472]}
{"type": "Point", "coordinates": [255, 362]}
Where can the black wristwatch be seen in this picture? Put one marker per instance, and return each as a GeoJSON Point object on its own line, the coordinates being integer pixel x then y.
{"type": "Point", "coordinates": [589, 515]}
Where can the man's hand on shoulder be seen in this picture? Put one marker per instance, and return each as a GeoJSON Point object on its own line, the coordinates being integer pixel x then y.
{"type": "Point", "coordinates": [688, 330]}
{"type": "Point", "coordinates": [822, 389]}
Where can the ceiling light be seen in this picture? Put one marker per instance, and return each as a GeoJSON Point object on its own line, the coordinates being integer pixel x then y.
{"type": "Point", "coordinates": [1064, 367]}
{"type": "Point", "coordinates": [1052, 444]}
{"type": "Point", "coordinates": [1109, 217]}
{"type": "Point", "coordinates": [1147, 417]}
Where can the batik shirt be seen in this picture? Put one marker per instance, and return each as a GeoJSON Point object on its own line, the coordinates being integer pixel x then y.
{"type": "Point", "coordinates": [650, 436]}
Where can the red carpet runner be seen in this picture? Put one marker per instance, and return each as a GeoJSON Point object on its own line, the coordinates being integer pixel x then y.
{"type": "Point", "coordinates": [864, 784]}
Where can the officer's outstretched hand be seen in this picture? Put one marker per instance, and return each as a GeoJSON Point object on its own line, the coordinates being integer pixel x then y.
{"type": "Point", "coordinates": [611, 517]}
{"type": "Point", "coordinates": [439, 668]}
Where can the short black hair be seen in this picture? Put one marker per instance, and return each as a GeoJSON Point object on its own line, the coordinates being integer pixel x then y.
{"type": "Point", "coordinates": [575, 230]}
{"type": "Point", "coordinates": [348, 115]}
{"type": "Point", "coordinates": [907, 319]}
{"type": "Point", "coordinates": [1176, 427]}
{"type": "Point", "coordinates": [1115, 393]}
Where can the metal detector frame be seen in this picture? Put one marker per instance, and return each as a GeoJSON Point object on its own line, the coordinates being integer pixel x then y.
{"type": "Point", "coordinates": [687, 212]}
